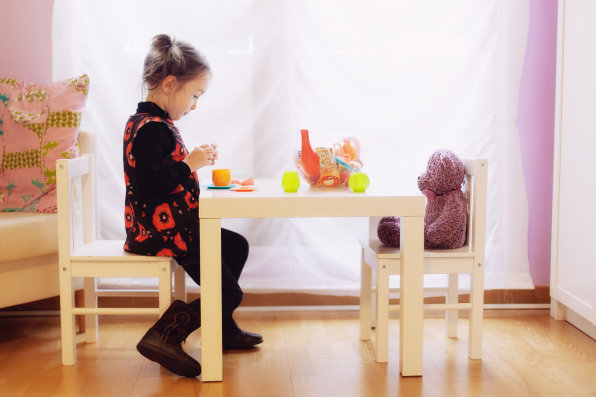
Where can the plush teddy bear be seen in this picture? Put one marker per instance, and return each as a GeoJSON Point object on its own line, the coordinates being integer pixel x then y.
{"type": "Point", "coordinates": [445, 219]}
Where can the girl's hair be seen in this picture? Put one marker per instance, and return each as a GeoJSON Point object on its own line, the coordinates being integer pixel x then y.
{"type": "Point", "coordinates": [171, 57]}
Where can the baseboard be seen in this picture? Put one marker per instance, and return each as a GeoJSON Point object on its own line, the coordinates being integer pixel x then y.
{"type": "Point", "coordinates": [538, 295]}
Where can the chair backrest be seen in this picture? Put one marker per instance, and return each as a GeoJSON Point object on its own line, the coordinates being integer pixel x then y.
{"type": "Point", "coordinates": [476, 182]}
{"type": "Point", "coordinates": [75, 185]}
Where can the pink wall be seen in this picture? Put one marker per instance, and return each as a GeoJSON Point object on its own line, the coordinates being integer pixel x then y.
{"type": "Point", "coordinates": [536, 116]}
{"type": "Point", "coordinates": [26, 43]}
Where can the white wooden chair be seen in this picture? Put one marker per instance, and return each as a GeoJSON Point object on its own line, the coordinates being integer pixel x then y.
{"type": "Point", "coordinates": [82, 256]}
{"type": "Point", "coordinates": [384, 261]}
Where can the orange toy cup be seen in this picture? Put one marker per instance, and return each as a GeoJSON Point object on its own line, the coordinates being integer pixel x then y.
{"type": "Point", "coordinates": [221, 177]}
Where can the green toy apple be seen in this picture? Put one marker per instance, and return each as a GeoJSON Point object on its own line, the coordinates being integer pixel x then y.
{"type": "Point", "coordinates": [359, 182]}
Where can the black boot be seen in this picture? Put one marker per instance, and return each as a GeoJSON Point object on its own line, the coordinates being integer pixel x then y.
{"type": "Point", "coordinates": [162, 343]}
{"type": "Point", "coordinates": [235, 338]}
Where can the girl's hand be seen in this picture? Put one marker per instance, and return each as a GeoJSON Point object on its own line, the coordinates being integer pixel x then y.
{"type": "Point", "coordinates": [201, 156]}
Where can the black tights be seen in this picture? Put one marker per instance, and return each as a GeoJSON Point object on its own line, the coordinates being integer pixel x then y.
{"type": "Point", "coordinates": [234, 252]}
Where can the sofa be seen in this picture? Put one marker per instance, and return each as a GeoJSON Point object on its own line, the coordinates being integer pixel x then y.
{"type": "Point", "coordinates": [29, 250]}
{"type": "Point", "coordinates": [39, 124]}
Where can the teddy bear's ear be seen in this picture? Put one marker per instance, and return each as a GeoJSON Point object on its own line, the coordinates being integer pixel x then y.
{"type": "Point", "coordinates": [456, 165]}
{"type": "Point", "coordinates": [445, 172]}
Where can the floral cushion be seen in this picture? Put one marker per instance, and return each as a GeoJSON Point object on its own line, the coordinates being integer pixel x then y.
{"type": "Point", "coordinates": [38, 125]}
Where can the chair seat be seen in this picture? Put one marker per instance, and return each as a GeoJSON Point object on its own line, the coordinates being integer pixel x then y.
{"type": "Point", "coordinates": [383, 252]}
{"type": "Point", "coordinates": [111, 250]}
{"type": "Point", "coordinates": [436, 261]}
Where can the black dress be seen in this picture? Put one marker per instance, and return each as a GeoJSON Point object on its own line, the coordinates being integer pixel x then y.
{"type": "Point", "coordinates": [162, 214]}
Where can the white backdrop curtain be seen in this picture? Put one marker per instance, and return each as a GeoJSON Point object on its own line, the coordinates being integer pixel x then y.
{"type": "Point", "coordinates": [406, 77]}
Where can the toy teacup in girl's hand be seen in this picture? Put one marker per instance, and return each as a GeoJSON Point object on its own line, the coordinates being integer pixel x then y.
{"type": "Point", "coordinates": [202, 156]}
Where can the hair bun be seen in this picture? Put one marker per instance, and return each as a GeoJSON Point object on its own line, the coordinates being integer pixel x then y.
{"type": "Point", "coordinates": [162, 42]}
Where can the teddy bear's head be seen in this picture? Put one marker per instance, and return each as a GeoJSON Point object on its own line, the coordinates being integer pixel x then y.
{"type": "Point", "coordinates": [444, 173]}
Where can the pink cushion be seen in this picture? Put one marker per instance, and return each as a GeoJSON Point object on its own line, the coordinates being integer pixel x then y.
{"type": "Point", "coordinates": [38, 125]}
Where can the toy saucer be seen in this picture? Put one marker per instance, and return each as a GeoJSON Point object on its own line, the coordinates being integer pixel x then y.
{"type": "Point", "coordinates": [244, 188]}
{"type": "Point", "coordinates": [212, 186]}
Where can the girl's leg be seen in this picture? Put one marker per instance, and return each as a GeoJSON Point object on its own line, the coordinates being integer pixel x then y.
{"type": "Point", "coordinates": [235, 250]}
{"type": "Point", "coordinates": [231, 293]}
{"type": "Point", "coordinates": [234, 254]}
{"type": "Point", "coordinates": [162, 342]}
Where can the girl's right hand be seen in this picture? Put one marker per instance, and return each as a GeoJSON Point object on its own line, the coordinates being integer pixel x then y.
{"type": "Point", "coordinates": [201, 156]}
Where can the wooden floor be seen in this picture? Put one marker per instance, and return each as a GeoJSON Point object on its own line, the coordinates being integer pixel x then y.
{"type": "Point", "coordinates": [308, 354]}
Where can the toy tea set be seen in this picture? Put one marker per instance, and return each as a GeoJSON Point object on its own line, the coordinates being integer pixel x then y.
{"type": "Point", "coordinates": [332, 166]}
{"type": "Point", "coordinates": [322, 167]}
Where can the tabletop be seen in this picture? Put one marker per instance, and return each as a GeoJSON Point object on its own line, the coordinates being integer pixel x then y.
{"type": "Point", "coordinates": [270, 201]}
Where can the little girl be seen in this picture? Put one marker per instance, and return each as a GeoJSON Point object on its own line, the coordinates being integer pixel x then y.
{"type": "Point", "coordinates": [161, 204]}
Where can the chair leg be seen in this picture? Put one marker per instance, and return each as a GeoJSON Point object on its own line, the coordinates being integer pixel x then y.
{"type": "Point", "coordinates": [373, 309]}
{"type": "Point", "coordinates": [373, 302]}
{"type": "Point", "coordinates": [67, 330]}
{"type": "Point", "coordinates": [452, 298]}
{"type": "Point", "coordinates": [365, 299]}
{"type": "Point", "coordinates": [382, 331]}
{"type": "Point", "coordinates": [476, 314]}
{"type": "Point", "coordinates": [165, 285]}
{"type": "Point", "coordinates": [180, 283]}
{"type": "Point", "coordinates": [90, 301]}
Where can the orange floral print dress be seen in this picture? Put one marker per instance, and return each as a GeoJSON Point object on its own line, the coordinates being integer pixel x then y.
{"type": "Point", "coordinates": [170, 225]}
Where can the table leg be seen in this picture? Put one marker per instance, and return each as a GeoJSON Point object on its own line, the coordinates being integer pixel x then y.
{"type": "Point", "coordinates": [411, 296]}
{"type": "Point", "coordinates": [211, 345]}
{"type": "Point", "coordinates": [365, 298]}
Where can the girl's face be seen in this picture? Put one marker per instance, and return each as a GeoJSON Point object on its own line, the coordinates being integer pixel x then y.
{"type": "Point", "coordinates": [184, 96]}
